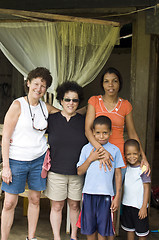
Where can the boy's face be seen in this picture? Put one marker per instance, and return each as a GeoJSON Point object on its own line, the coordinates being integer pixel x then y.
{"type": "Point", "coordinates": [132, 155]}
{"type": "Point", "coordinates": [101, 133]}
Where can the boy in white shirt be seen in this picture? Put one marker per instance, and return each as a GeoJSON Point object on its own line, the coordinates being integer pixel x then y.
{"type": "Point", "coordinates": [136, 194]}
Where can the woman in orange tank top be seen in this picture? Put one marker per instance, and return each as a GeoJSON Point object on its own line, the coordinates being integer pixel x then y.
{"type": "Point", "coordinates": [118, 110]}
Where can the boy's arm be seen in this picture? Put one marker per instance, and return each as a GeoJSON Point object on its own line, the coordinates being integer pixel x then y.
{"type": "Point", "coordinates": [118, 183]}
{"type": "Point", "coordinates": [94, 155]}
{"type": "Point", "coordinates": [143, 211]}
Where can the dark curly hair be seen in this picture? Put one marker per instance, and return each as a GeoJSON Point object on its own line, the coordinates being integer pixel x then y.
{"type": "Point", "coordinates": [116, 72]}
{"type": "Point", "coordinates": [69, 86]}
{"type": "Point", "coordinates": [41, 72]}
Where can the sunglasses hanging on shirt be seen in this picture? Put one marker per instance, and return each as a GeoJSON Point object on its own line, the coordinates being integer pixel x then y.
{"type": "Point", "coordinates": [33, 116]}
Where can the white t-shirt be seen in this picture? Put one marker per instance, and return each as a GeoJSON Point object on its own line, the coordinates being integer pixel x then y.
{"type": "Point", "coordinates": [133, 186]}
{"type": "Point", "coordinates": [27, 143]}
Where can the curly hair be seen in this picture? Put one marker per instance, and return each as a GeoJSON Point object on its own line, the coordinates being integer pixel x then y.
{"type": "Point", "coordinates": [41, 72]}
{"type": "Point", "coordinates": [116, 72]}
{"type": "Point", "coordinates": [69, 86]}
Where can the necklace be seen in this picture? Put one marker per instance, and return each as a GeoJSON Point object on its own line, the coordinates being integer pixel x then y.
{"type": "Point", "coordinates": [110, 106]}
{"type": "Point", "coordinates": [110, 103]}
{"type": "Point", "coordinates": [33, 116]}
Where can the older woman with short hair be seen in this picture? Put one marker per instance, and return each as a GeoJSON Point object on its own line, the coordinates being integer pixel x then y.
{"type": "Point", "coordinates": [25, 123]}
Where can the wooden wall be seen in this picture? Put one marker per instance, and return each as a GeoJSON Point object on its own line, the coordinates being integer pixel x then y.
{"type": "Point", "coordinates": [121, 60]}
{"type": "Point", "coordinates": [11, 85]}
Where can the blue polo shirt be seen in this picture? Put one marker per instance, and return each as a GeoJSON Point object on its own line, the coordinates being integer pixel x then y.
{"type": "Point", "coordinates": [97, 181]}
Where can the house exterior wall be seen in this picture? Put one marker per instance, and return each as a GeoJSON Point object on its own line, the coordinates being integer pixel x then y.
{"type": "Point", "coordinates": [121, 60]}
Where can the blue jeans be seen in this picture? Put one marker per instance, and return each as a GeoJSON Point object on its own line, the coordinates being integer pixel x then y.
{"type": "Point", "coordinates": [23, 171]}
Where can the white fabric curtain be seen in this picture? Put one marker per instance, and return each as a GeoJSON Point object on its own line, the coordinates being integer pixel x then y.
{"type": "Point", "coordinates": [71, 51]}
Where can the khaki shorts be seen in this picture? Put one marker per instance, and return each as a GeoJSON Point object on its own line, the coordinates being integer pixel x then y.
{"type": "Point", "coordinates": [60, 187]}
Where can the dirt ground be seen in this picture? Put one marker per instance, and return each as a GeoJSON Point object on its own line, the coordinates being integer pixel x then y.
{"type": "Point", "coordinates": [44, 232]}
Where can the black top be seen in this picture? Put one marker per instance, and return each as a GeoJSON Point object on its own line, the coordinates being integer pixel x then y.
{"type": "Point", "coordinates": [66, 140]}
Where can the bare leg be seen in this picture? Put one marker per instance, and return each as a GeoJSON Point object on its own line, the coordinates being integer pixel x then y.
{"type": "Point", "coordinates": [130, 235]}
{"type": "Point", "coordinates": [143, 238]}
{"type": "Point", "coordinates": [56, 217]}
{"type": "Point", "coordinates": [115, 219]}
{"type": "Point", "coordinates": [33, 212]}
{"type": "Point", "coordinates": [100, 237]}
{"type": "Point", "coordinates": [74, 213]}
{"type": "Point", "coordinates": [92, 236]}
{"type": "Point", "coordinates": [7, 217]}
{"type": "Point", "coordinates": [111, 238]}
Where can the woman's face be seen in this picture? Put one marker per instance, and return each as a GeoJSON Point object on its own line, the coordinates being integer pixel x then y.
{"type": "Point", "coordinates": [37, 87]}
{"type": "Point", "coordinates": [70, 102]}
{"type": "Point", "coordinates": [111, 84]}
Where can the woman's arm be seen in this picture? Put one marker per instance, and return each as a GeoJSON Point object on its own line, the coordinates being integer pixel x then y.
{"type": "Point", "coordinates": [132, 134]}
{"type": "Point", "coordinates": [82, 110]}
{"type": "Point", "coordinates": [51, 109]}
{"type": "Point", "coordinates": [90, 116]}
{"type": "Point", "coordinates": [10, 122]}
{"type": "Point", "coordinates": [106, 156]}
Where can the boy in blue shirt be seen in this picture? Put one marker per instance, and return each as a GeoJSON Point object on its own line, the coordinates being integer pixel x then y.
{"type": "Point", "coordinates": [98, 202]}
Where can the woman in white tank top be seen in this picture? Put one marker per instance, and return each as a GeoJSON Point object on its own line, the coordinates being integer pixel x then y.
{"type": "Point", "coordinates": [25, 123]}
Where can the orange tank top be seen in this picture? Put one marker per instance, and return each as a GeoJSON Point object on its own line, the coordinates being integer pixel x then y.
{"type": "Point", "coordinates": [117, 116]}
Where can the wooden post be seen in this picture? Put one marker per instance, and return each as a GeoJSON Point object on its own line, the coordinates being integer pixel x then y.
{"type": "Point", "coordinates": [140, 71]}
{"type": "Point", "coordinates": [151, 119]}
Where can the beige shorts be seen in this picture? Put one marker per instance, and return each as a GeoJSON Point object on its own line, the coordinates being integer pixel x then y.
{"type": "Point", "coordinates": [60, 187]}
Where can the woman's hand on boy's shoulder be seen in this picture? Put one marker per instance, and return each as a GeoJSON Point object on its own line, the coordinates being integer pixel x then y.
{"type": "Point", "coordinates": [145, 164]}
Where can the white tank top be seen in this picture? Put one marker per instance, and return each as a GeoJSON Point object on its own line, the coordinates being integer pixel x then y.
{"type": "Point", "coordinates": [28, 143]}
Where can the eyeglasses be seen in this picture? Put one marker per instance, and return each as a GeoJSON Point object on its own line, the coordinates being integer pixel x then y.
{"type": "Point", "coordinates": [33, 116]}
{"type": "Point", "coordinates": [74, 100]}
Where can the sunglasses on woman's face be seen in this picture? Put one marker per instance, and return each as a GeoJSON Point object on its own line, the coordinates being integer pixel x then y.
{"type": "Point", "coordinates": [74, 100]}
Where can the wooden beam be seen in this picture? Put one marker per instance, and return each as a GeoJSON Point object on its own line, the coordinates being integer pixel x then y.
{"type": "Point", "coordinates": [55, 17]}
{"type": "Point", "coordinates": [89, 11]}
{"type": "Point", "coordinates": [151, 116]}
{"type": "Point", "coordinates": [140, 70]}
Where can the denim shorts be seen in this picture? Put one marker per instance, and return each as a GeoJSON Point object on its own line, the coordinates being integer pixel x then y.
{"type": "Point", "coordinates": [23, 171]}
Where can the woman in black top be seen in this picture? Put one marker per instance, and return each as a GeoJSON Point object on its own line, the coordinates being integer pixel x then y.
{"type": "Point", "coordinates": [66, 137]}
